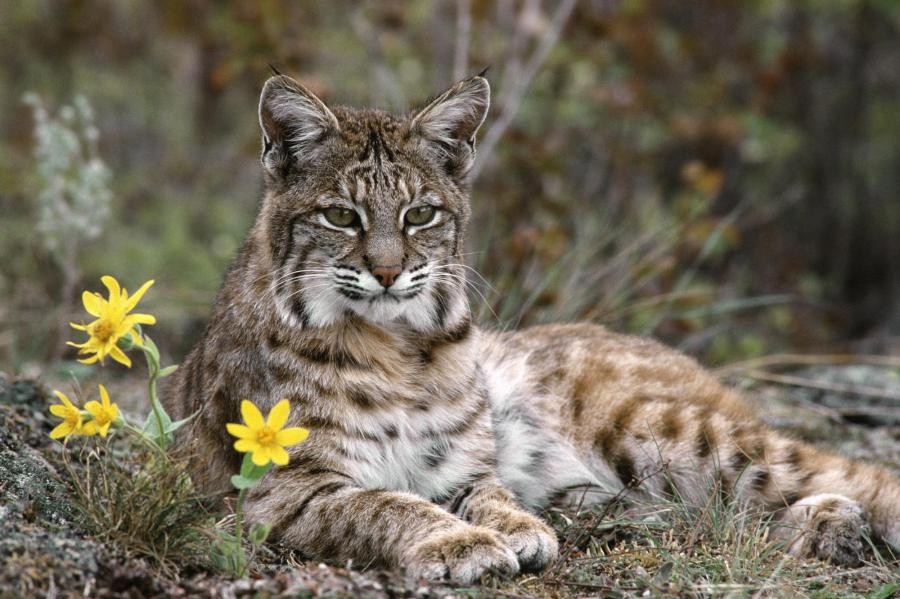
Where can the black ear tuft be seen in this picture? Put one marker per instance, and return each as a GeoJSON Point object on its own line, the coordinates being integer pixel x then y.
{"type": "Point", "coordinates": [294, 121]}
{"type": "Point", "coordinates": [484, 71]}
{"type": "Point", "coordinates": [449, 124]}
{"type": "Point", "coordinates": [277, 72]}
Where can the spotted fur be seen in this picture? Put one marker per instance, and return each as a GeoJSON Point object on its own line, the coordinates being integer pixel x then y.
{"type": "Point", "coordinates": [434, 443]}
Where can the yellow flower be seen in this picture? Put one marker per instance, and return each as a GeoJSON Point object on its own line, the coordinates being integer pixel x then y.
{"type": "Point", "coordinates": [104, 414]}
{"type": "Point", "coordinates": [71, 415]}
{"type": "Point", "coordinates": [266, 439]}
{"type": "Point", "coordinates": [113, 322]}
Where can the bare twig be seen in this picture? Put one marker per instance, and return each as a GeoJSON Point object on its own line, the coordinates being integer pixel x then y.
{"type": "Point", "coordinates": [799, 381]}
{"type": "Point", "coordinates": [512, 96]}
{"type": "Point", "coordinates": [571, 543]}
{"type": "Point", "coordinates": [808, 360]}
{"type": "Point", "coordinates": [516, 26]}
{"type": "Point", "coordinates": [385, 83]}
{"type": "Point", "coordinates": [463, 35]}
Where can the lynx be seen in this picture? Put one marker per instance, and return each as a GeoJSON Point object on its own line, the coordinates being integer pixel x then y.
{"type": "Point", "coordinates": [434, 444]}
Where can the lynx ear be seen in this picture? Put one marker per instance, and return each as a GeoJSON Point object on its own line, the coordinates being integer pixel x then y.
{"type": "Point", "coordinates": [449, 123]}
{"type": "Point", "coordinates": [293, 122]}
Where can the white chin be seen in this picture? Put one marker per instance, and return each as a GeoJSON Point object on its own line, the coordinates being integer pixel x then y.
{"type": "Point", "coordinates": [329, 307]}
{"type": "Point", "coordinates": [415, 311]}
{"type": "Point", "coordinates": [382, 310]}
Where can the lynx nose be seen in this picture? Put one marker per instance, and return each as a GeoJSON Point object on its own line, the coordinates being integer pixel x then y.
{"type": "Point", "coordinates": [386, 275]}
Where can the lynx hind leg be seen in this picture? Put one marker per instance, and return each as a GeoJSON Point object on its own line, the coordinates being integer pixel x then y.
{"type": "Point", "coordinates": [827, 526]}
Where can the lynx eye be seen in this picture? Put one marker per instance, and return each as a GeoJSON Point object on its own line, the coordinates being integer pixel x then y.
{"type": "Point", "coordinates": [341, 217]}
{"type": "Point", "coordinates": [421, 215]}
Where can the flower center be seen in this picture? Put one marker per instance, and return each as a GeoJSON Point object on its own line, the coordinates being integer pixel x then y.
{"type": "Point", "coordinates": [103, 330]}
{"type": "Point", "coordinates": [103, 417]}
{"type": "Point", "coordinates": [72, 417]}
{"type": "Point", "coordinates": [266, 436]}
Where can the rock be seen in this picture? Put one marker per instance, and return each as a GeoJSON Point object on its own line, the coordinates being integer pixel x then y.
{"type": "Point", "coordinates": [40, 546]}
{"type": "Point", "coordinates": [840, 412]}
{"type": "Point", "coordinates": [30, 489]}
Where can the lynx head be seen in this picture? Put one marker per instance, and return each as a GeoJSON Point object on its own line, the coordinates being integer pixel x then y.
{"type": "Point", "coordinates": [364, 211]}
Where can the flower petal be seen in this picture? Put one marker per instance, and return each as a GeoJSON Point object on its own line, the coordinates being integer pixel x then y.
{"type": "Point", "coordinates": [63, 398]}
{"type": "Point", "coordinates": [260, 456]}
{"type": "Point", "coordinates": [252, 416]}
{"type": "Point", "coordinates": [279, 415]}
{"type": "Point", "coordinates": [104, 430]}
{"type": "Point", "coordinates": [58, 410]}
{"type": "Point", "coordinates": [93, 303]}
{"type": "Point", "coordinates": [240, 431]}
{"type": "Point", "coordinates": [134, 299]}
{"type": "Point", "coordinates": [64, 429]}
{"type": "Point", "coordinates": [278, 455]}
{"type": "Point", "coordinates": [113, 285]}
{"type": "Point", "coordinates": [119, 356]}
{"type": "Point", "coordinates": [104, 396]}
{"type": "Point", "coordinates": [245, 445]}
{"type": "Point", "coordinates": [90, 360]}
{"type": "Point", "coordinates": [78, 327]}
{"type": "Point", "coordinates": [291, 436]}
{"type": "Point", "coordinates": [89, 429]}
{"type": "Point", "coordinates": [133, 319]}
{"type": "Point", "coordinates": [93, 407]}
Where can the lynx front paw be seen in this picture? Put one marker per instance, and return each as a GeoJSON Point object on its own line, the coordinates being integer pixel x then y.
{"type": "Point", "coordinates": [532, 539]}
{"type": "Point", "coordinates": [461, 555]}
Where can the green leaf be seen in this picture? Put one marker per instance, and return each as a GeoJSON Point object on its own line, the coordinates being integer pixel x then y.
{"type": "Point", "coordinates": [151, 426]}
{"type": "Point", "coordinates": [242, 482]}
{"type": "Point", "coordinates": [884, 592]}
{"type": "Point", "coordinates": [224, 539]}
{"type": "Point", "coordinates": [228, 555]}
{"type": "Point", "coordinates": [167, 371]}
{"type": "Point", "coordinates": [251, 470]}
{"type": "Point", "coordinates": [259, 532]}
{"type": "Point", "coordinates": [174, 426]}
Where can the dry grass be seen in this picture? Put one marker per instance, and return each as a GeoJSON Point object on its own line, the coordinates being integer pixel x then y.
{"type": "Point", "coordinates": [673, 549]}
{"type": "Point", "coordinates": [143, 501]}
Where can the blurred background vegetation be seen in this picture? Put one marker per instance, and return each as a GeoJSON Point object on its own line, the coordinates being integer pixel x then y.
{"type": "Point", "coordinates": [722, 174]}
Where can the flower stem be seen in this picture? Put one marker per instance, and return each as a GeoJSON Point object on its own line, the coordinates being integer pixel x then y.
{"type": "Point", "coordinates": [154, 405]}
{"type": "Point", "coordinates": [239, 533]}
{"type": "Point", "coordinates": [152, 355]}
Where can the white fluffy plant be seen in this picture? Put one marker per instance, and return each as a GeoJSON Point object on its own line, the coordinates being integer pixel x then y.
{"type": "Point", "coordinates": [71, 184]}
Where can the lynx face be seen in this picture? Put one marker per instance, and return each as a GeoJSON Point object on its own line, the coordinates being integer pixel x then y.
{"type": "Point", "coordinates": [366, 212]}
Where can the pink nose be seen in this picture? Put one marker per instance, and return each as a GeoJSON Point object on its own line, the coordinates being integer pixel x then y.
{"type": "Point", "coordinates": [386, 275]}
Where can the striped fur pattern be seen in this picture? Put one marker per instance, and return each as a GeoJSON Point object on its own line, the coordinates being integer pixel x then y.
{"type": "Point", "coordinates": [594, 415]}
{"type": "Point", "coordinates": [434, 443]}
